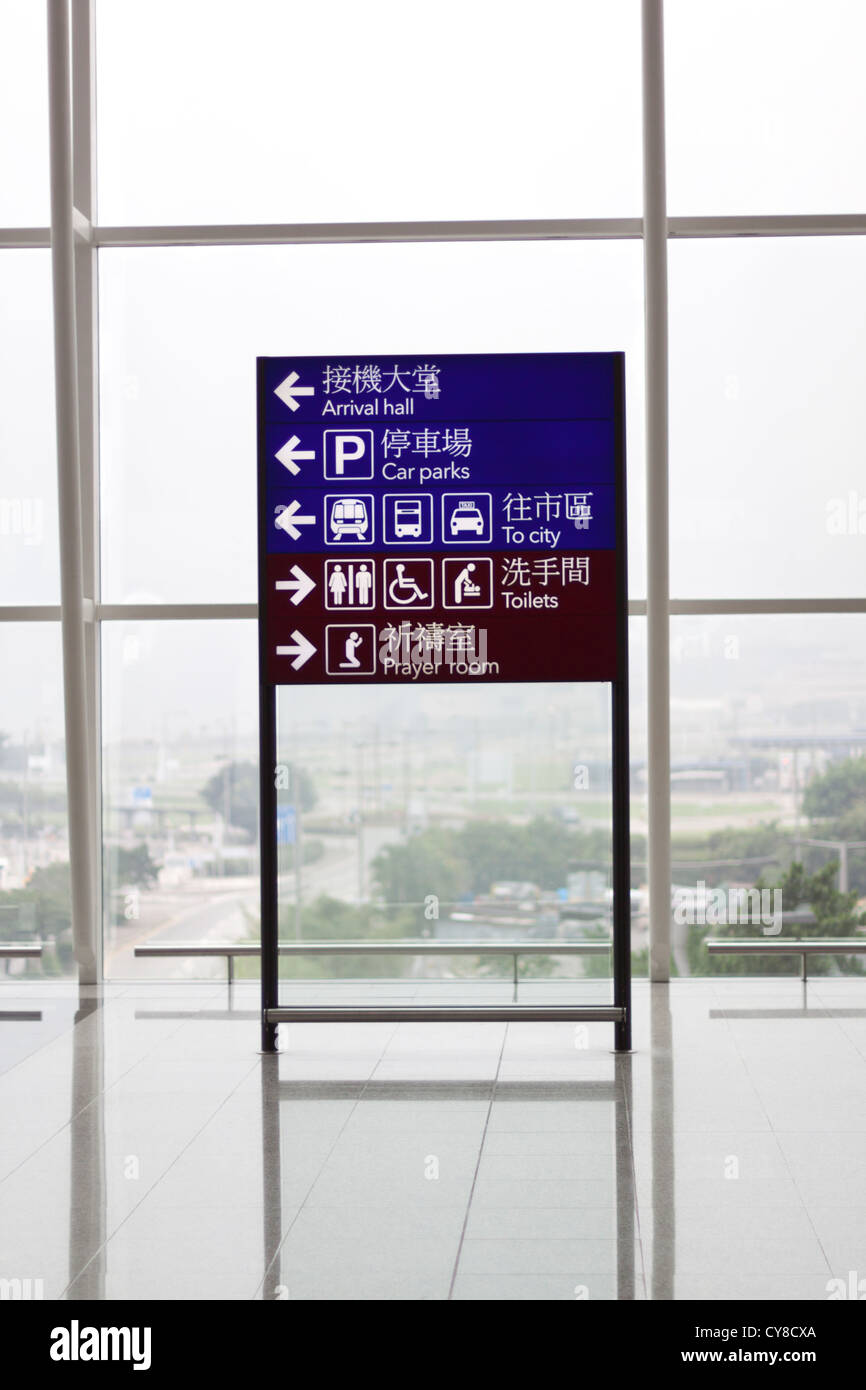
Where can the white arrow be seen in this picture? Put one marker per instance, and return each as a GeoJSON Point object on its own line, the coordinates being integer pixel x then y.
{"type": "Point", "coordinates": [301, 651]}
{"type": "Point", "coordinates": [287, 390]}
{"type": "Point", "coordinates": [302, 584]}
{"type": "Point", "coordinates": [290, 452]}
{"type": "Point", "coordinates": [289, 520]}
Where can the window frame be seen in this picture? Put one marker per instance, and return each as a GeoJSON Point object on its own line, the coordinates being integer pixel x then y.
{"type": "Point", "coordinates": [75, 241]}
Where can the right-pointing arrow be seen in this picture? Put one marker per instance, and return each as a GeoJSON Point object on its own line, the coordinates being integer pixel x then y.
{"type": "Point", "coordinates": [290, 452]}
{"type": "Point", "coordinates": [302, 650]}
{"type": "Point", "coordinates": [302, 584]}
{"type": "Point", "coordinates": [288, 389]}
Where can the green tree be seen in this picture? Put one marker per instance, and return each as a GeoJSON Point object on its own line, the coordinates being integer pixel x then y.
{"type": "Point", "coordinates": [836, 805]}
{"type": "Point", "coordinates": [834, 913]}
{"type": "Point", "coordinates": [455, 863]}
{"type": "Point", "coordinates": [44, 910]}
{"type": "Point", "coordinates": [330, 919]}
{"type": "Point", "coordinates": [767, 840]}
{"type": "Point", "coordinates": [431, 862]}
{"type": "Point", "coordinates": [838, 791]}
{"type": "Point", "coordinates": [235, 788]}
{"type": "Point", "coordinates": [538, 853]}
{"type": "Point", "coordinates": [133, 866]}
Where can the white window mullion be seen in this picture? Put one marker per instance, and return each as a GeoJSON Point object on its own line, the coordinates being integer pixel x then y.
{"type": "Point", "coordinates": [78, 686]}
{"type": "Point", "coordinates": [657, 538]}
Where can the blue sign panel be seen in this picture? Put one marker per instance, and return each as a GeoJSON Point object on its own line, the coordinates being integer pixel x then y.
{"type": "Point", "coordinates": [445, 518]}
{"type": "Point", "coordinates": [287, 825]}
{"type": "Point", "coordinates": [483, 386]}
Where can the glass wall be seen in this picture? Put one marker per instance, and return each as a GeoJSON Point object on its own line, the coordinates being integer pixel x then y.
{"type": "Point", "coordinates": [768, 722]}
{"type": "Point", "coordinates": [767, 426]}
{"type": "Point", "coordinates": [765, 106]}
{"type": "Point", "coordinates": [34, 850]}
{"type": "Point", "coordinates": [446, 814]}
{"type": "Point", "coordinates": [177, 441]}
{"type": "Point", "coordinates": [764, 119]}
{"type": "Point", "coordinates": [23, 115]}
{"type": "Point", "coordinates": [29, 557]}
{"type": "Point", "coordinates": [177, 379]}
{"type": "Point", "coordinates": [180, 806]}
{"type": "Point", "coordinates": [397, 111]}
{"type": "Point", "coordinates": [34, 846]}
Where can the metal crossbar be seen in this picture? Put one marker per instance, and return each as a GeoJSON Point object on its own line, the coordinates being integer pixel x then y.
{"type": "Point", "coordinates": [815, 946]}
{"type": "Point", "coordinates": [515, 949]}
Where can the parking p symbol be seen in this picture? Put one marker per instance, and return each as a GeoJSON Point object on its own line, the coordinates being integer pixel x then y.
{"type": "Point", "coordinates": [348, 454]}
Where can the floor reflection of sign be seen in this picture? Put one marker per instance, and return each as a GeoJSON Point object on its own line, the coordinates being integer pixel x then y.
{"type": "Point", "coordinates": [467, 582]}
{"type": "Point", "coordinates": [408, 519]}
{"type": "Point", "coordinates": [408, 583]}
{"type": "Point", "coordinates": [350, 649]}
{"type": "Point", "coordinates": [349, 520]}
{"type": "Point", "coordinates": [350, 583]}
{"type": "Point", "coordinates": [466, 517]}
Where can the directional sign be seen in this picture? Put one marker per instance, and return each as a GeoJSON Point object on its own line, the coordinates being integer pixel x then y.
{"type": "Point", "coordinates": [291, 452]}
{"type": "Point", "coordinates": [289, 519]}
{"type": "Point", "coordinates": [299, 585]}
{"type": "Point", "coordinates": [442, 518]}
{"type": "Point", "coordinates": [300, 650]}
{"type": "Point", "coordinates": [289, 389]}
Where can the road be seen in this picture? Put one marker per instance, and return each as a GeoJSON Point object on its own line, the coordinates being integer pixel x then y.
{"type": "Point", "coordinates": [225, 909]}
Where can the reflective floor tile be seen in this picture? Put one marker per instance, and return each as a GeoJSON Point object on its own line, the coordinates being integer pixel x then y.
{"type": "Point", "coordinates": [547, 1288]}
{"type": "Point", "coordinates": [514, 1256]}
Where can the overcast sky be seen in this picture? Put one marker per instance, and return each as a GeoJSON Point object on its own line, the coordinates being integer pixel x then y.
{"type": "Point", "coordinates": [396, 110]}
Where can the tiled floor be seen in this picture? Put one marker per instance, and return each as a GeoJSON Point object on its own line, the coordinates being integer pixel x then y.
{"type": "Point", "coordinates": [147, 1150]}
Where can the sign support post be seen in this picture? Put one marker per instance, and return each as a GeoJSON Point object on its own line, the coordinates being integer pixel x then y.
{"type": "Point", "coordinates": [270, 930]}
{"type": "Point", "coordinates": [620, 775]}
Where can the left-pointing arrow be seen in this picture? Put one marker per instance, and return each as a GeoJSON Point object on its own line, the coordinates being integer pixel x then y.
{"type": "Point", "coordinates": [290, 453]}
{"type": "Point", "coordinates": [302, 584]}
{"type": "Point", "coordinates": [302, 650]}
{"type": "Point", "coordinates": [290, 518]}
{"type": "Point", "coordinates": [288, 389]}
